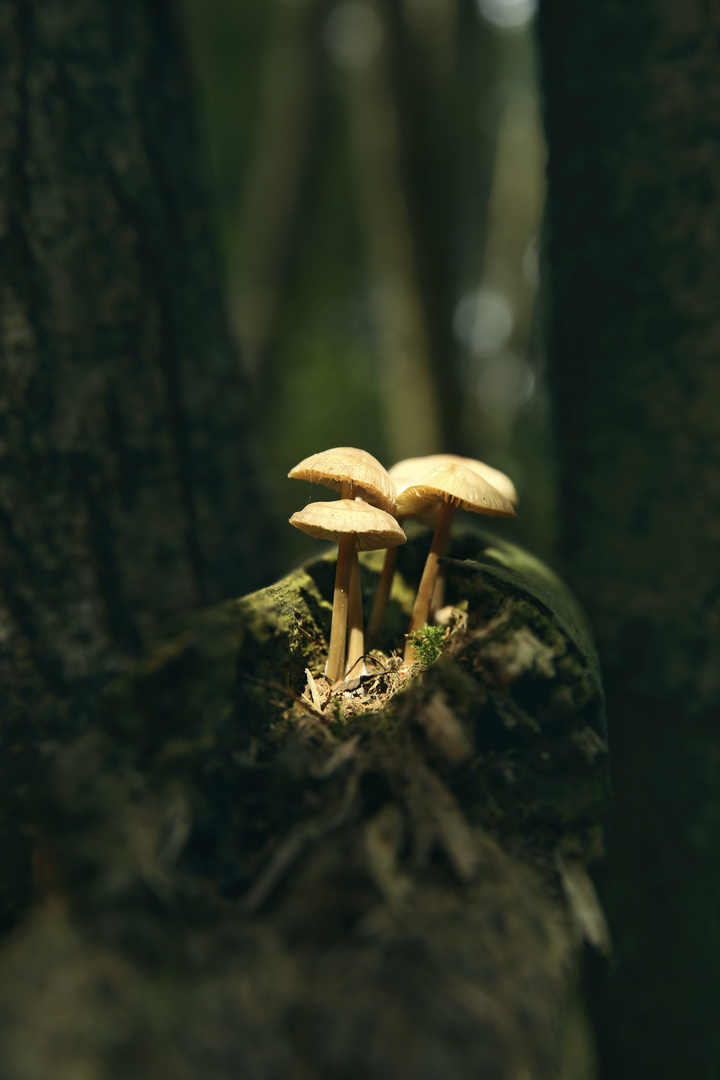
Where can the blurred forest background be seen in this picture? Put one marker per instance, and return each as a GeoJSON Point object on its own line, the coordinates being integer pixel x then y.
{"type": "Point", "coordinates": [376, 171]}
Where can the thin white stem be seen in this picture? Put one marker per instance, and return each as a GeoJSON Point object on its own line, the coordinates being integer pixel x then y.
{"type": "Point", "coordinates": [356, 639]}
{"type": "Point", "coordinates": [335, 667]}
{"type": "Point", "coordinates": [382, 595]}
{"type": "Point", "coordinates": [421, 610]}
{"type": "Point", "coordinates": [438, 598]}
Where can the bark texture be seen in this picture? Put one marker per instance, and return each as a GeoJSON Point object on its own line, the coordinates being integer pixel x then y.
{"type": "Point", "coordinates": [633, 123]}
{"type": "Point", "coordinates": [124, 490]}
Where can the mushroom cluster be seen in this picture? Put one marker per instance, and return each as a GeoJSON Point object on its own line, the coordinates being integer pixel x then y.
{"type": "Point", "coordinates": [407, 475]}
{"type": "Point", "coordinates": [373, 502]}
{"type": "Point", "coordinates": [442, 490]}
{"type": "Point", "coordinates": [361, 520]}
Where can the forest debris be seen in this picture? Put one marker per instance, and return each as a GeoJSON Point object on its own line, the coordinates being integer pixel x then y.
{"type": "Point", "coordinates": [166, 653]}
{"type": "Point", "coordinates": [304, 702]}
{"type": "Point", "coordinates": [314, 692]}
{"type": "Point", "coordinates": [372, 691]}
{"type": "Point", "coordinates": [344, 753]}
{"type": "Point", "coordinates": [351, 686]}
{"type": "Point", "coordinates": [384, 835]}
{"type": "Point", "coordinates": [438, 821]}
{"type": "Point", "coordinates": [512, 714]}
{"type": "Point", "coordinates": [589, 743]}
{"type": "Point", "coordinates": [156, 831]}
{"type": "Point", "coordinates": [459, 842]}
{"type": "Point", "coordinates": [443, 731]}
{"type": "Point", "coordinates": [527, 653]}
{"type": "Point", "coordinates": [366, 692]}
{"type": "Point", "coordinates": [520, 653]}
{"type": "Point", "coordinates": [294, 845]}
{"type": "Point", "coordinates": [443, 616]}
{"type": "Point", "coordinates": [585, 908]}
{"type": "Point", "coordinates": [498, 622]}
{"type": "Point", "coordinates": [284, 858]}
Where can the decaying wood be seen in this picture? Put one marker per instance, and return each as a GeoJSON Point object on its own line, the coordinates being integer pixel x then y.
{"type": "Point", "coordinates": [243, 875]}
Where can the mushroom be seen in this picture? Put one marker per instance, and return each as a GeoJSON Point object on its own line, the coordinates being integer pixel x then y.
{"type": "Point", "coordinates": [355, 526]}
{"type": "Point", "coordinates": [355, 632]}
{"type": "Point", "coordinates": [449, 486]}
{"type": "Point", "coordinates": [351, 472]}
{"type": "Point", "coordinates": [354, 473]}
{"type": "Point", "coordinates": [405, 474]}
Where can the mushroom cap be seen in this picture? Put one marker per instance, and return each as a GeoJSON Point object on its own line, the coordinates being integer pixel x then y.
{"type": "Point", "coordinates": [373, 528]}
{"type": "Point", "coordinates": [411, 471]}
{"type": "Point", "coordinates": [348, 465]}
{"type": "Point", "coordinates": [456, 484]}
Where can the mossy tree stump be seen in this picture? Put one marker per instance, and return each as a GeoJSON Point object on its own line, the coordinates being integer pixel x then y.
{"type": "Point", "coordinates": [238, 878]}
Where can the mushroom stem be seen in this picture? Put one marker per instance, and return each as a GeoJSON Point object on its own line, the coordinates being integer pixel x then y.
{"type": "Point", "coordinates": [382, 595]}
{"type": "Point", "coordinates": [335, 666]}
{"type": "Point", "coordinates": [356, 639]}
{"type": "Point", "coordinates": [426, 587]}
{"type": "Point", "coordinates": [438, 597]}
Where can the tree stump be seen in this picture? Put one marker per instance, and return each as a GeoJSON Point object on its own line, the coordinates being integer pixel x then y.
{"type": "Point", "coordinates": [240, 874]}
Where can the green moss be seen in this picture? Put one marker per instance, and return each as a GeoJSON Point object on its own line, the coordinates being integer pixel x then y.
{"type": "Point", "coordinates": [428, 643]}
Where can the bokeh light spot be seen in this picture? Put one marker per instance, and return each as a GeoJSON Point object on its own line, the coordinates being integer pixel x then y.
{"type": "Point", "coordinates": [483, 321]}
{"type": "Point", "coordinates": [507, 14]}
{"type": "Point", "coordinates": [353, 34]}
{"type": "Point", "coordinates": [505, 385]}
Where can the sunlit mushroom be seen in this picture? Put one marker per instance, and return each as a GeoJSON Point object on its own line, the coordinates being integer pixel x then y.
{"type": "Point", "coordinates": [350, 471]}
{"type": "Point", "coordinates": [355, 526]}
{"type": "Point", "coordinates": [449, 486]}
{"type": "Point", "coordinates": [405, 474]}
{"type": "Point", "coordinates": [354, 473]}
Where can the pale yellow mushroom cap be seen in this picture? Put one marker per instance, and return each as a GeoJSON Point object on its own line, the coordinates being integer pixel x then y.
{"type": "Point", "coordinates": [348, 465]}
{"type": "Point", "coordinates": [373, 528]}
{"type": "Point", "coordinates": [456, 484]}
{"type": "Point", "coordinates": [411, 470]}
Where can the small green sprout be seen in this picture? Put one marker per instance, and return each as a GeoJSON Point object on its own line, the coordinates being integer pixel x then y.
{"type": "Point", "coordinates": [428, 643]}
{"type": "Point", "coordinates": [339, 716]}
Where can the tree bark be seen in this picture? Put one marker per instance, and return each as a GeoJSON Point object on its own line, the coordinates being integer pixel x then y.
{"type": "Point", "coordinates": [125, 489]}
{"type": "Point", "coordinates": [633, 124]}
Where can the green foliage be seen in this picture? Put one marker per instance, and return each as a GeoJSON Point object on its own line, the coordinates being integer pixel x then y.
{"type": "Point", "coordinates": [428, 643]}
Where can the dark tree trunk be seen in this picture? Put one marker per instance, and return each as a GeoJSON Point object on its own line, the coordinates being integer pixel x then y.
{"type": "Point", "coordinates": [633, 123]}
{"type": "Point", "coordinates": [125, 494]}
